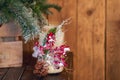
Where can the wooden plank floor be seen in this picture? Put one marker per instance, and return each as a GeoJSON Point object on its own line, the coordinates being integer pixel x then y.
{"type": "Point", "coordinates": [26, 73]}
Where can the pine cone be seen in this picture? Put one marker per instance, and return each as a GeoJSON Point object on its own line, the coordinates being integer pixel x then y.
{"type": "Point", "coordinates": [41, 68]}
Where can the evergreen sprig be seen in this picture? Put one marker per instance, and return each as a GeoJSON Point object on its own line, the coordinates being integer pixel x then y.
{"type": "Point", "coordinates": [28, 13]}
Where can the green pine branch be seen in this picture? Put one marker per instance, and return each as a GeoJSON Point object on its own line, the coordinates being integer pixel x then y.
{"type": "Point", "coordinates": [28, 13]}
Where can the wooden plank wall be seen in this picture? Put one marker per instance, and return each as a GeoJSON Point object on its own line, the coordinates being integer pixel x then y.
{"type": "Point", "coordinates": [91, 39]}
{"type": "Point", "coordinates": [113, 40]}
{"type": "Point", "coordinates": [85, 35]}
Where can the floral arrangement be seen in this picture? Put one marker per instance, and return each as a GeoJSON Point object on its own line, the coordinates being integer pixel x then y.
{"type": "Point", "coordinates": [51, 46]}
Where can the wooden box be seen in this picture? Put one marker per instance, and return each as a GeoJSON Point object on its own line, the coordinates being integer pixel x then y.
{"type": "Point", "coordinates": [11, 54]}
{"type": "Point", "coordinates": [11, 50]}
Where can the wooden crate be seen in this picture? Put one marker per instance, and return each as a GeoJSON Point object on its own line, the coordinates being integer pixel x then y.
{"type": "Point", "coordinates": [11, 50]}
{"type": "Point", "coordinates": [10, 30]}
{"type": "Point", "coordinates": [11, 54]}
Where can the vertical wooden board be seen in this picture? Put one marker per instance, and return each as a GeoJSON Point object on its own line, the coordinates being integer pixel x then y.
{"type": "Point", "coordinates": [55, 18]}
{"type": "Point", "coordinates": [69, 9]}
{"type": "Point", "coordinates": [85, 41]}
{"type": "Point", "coordinates": [99, 40]}
{"type": "Point", "coordinates": [10, 29]}
{"type": "Point", "coordinates": [91, 37]}
{"type": "Point", "coordinates": [28, 47]}
{"type": "Point", "coordinates": [113, 40]}
{"type": "Point", "coordinates": [11, 54]}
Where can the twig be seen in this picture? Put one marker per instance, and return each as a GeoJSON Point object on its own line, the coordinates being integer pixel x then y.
{"type": "Point", "coordinates": [65, 22]}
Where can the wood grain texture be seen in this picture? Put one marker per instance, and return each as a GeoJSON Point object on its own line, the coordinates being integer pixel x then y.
{"type": "Point", "coordinates": [11, 54]}
{"type": "Point", "coordinates": [28, 47]}
{"type": "Point", "coordinates": [7, 39]}
{"type": "Point", "coordinates": [85, 45]}
{"type": "Point", "coordinates": [91, 37]}
{"type": "Point", "coordinates": [99, 40]}
{"type": "Point", "coordinates": [113, 40]}
{"type": "Point", "coordinates": [14, 73]}
{"type": "Point", "coordinates": [11, 49]}
{"type": "Point", "coordinates": [10, 30]}
{"type": "Point", "coordinates": [28, 74]}
{"type": "Point", "coordinates": [3, 72]}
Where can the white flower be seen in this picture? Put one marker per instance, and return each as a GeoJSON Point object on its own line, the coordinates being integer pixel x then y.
{"type": "Point", "coordinates": [51, 40]}
{"type": "Point", "coordinates": [66, 49]}
{"type": "Point", "coordinates": [61, 64]}
{"type": "Point", "coordinates": [35, 48]}
{"type": "Point", "coordinates": [36, 52]}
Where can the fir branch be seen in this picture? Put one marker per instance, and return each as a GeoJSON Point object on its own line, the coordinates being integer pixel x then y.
{"type": "Point", "coordinates": [45, 8]}
{"type": "Point", "coordinates": [3, 18]}
{"type": "Point", "coordinates": [42, 38]}
{"type": "Point", "coordinates": [28, 13]}
{"type": "Point", "coordinates": [29, 26]}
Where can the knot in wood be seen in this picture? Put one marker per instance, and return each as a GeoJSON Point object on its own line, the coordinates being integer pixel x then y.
{"type": "Point", "coordinates": [90, 12]}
